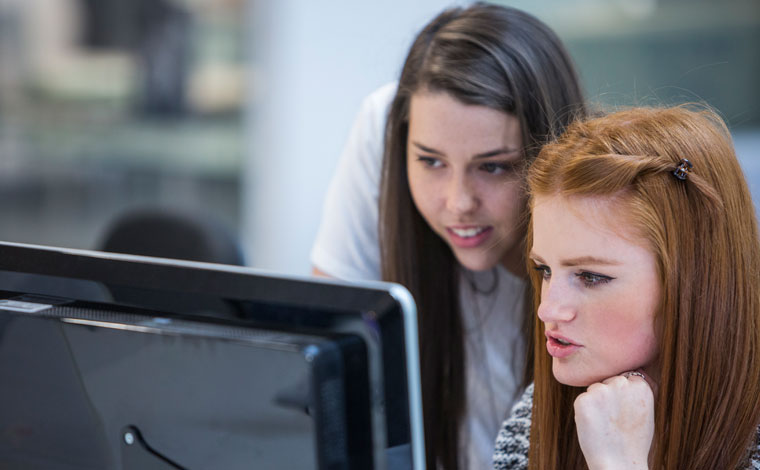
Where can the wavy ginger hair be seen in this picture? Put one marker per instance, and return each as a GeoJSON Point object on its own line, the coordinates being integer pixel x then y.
{"type": "Point", "coordinates": [703, 233]}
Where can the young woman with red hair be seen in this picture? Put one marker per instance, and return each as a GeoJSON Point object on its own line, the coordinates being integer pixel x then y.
{"type": "Point", "coordinates": [644, 256]}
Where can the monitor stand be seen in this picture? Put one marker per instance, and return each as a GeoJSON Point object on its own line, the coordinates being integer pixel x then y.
{"type": "Point", "coordinates": [136, 454]}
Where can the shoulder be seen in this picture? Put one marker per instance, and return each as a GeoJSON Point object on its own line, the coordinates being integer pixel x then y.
{"type": "Point", "coordinates": [363, 151]}
{"type": "Point", "coordinates": [381, 98]}
{"type": "Point", "coordinates": [346, 244]}
{"type": "Point", "coordinates": [513, 440]}
{"type": "Point", "coordinates": [375, 106]}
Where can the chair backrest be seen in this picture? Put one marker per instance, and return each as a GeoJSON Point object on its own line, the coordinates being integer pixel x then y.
{"type": "Point", "coordinates": [173, 234]}
{"type": "Point", "coordinates": [183, 235]}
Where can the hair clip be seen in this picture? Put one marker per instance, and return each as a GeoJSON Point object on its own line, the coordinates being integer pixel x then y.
{"type": "Point", "coordinates": [683, 169]}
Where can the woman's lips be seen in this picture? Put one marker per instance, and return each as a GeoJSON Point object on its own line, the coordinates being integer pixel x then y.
{"type": "Point", "coordinates": [469, 236]}
{"type": "Point", "coordinates": [559, 346]}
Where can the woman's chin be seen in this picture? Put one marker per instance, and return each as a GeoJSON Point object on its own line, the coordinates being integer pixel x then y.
{"type": "Point", "coordinates": [574, 379]}
{"type": "Point", "coordinates": [573, 382]}
{"type": "Point", "coordinates": [475, 261]}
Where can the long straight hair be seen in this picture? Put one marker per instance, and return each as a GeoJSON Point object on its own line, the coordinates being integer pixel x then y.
{"type": "Point", "coordinates": [485, 55]}
{"type": "Point", "coordinates": [703, 233]}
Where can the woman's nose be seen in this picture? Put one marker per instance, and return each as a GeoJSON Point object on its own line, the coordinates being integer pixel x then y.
{"type": "Point", "coordinates": [461, 197]}
{"type": "Point", "coordinates": [557, 304]}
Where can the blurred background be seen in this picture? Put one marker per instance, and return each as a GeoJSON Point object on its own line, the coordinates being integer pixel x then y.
{"type": "Point", "coordinates": [238, 109]}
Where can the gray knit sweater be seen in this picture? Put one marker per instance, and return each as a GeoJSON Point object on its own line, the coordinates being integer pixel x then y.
{"type": "Point", "coordinates": [513, 441]}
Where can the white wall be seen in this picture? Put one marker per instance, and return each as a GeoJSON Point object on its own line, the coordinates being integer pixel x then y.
{"type": "Point", "coordinates": [312, 63]}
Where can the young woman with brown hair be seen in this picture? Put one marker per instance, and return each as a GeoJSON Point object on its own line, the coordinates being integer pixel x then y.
{"type": "Point", "coordinates": [646, 267]}
{"type": "Point", "coordinates": [481, 90]}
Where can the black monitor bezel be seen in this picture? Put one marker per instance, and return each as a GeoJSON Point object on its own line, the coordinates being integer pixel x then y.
{"type": "Point", "coordinates": [291, 302]}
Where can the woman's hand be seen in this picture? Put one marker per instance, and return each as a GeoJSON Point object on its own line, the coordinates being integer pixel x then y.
{"type": "Point", "coordinates": [615, 422]}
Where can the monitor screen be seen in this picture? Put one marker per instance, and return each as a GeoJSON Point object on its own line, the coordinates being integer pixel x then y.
{"type": "Point", "coordinates": [122, 362]}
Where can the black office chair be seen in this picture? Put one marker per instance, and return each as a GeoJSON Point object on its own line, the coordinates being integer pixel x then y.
{"type": "Point", "coordinates": [176, 234]}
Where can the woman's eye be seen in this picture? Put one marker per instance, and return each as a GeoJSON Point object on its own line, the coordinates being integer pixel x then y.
{"type": "Point", "coordinates": [592, 279]}
{"type": "Point", "coordinates": [545, 271]}
{"type": "Point", "coordinates": [430, 162]}
{"type": "Point", "coordinates": [498, 168]}
{"type": "Point", "coordinates": [493, 168]}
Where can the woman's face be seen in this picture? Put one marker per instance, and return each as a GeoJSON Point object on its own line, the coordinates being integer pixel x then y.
{"type": "Point", "coordinates": [600, 289]}
{"type": "Point", "coordinates": [464, 167]}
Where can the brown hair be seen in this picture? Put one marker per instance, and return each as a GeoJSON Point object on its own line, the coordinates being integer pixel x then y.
{"type": "Point", "coordinates": [703, 232]}
{"type": "Point", "coordinates": [486, 55]}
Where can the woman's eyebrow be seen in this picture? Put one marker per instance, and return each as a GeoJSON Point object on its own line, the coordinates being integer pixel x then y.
{"type": "Point", "coordinates": [487, 154]}
{"type": "Point", "coordinates": [581, 260]}
{"type": "Point", "coordinates": [427, 149]}
{"type": "Point", "coordinates": [496, 152]}
{"type": "Point", "coordinates": [589, 260]}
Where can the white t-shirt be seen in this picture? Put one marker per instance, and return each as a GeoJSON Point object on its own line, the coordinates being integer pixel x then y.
{"type": "Point", "coordinates": [347, 247]}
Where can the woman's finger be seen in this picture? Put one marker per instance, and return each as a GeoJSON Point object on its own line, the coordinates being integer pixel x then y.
{"type": "Point", "coordinates": [639, 374]}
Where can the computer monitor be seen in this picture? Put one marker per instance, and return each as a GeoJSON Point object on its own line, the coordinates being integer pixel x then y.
{"type": "Point", "coordinates": [114, 361]}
